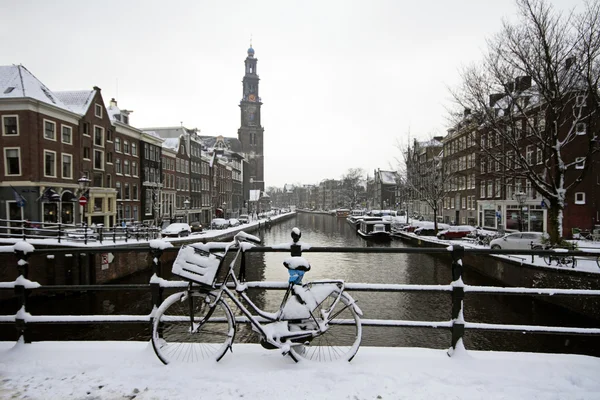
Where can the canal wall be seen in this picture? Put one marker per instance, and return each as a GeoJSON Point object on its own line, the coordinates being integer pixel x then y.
{"type": "Point", "coordinates": [518, 273]}
{"type": "Point", "coordinates": [77, 267]}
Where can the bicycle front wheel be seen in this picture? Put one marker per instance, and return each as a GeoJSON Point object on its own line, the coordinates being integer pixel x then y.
{"type": "Point", "coordinates": [340, 342]}
{"type": "Point", "coordinates": [190, 327]}
{"type": "Point", "coordinates": [548, 260]}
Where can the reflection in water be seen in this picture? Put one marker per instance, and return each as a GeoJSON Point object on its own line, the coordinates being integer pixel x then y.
{"type": "Point", "coordinates": [326, 230]}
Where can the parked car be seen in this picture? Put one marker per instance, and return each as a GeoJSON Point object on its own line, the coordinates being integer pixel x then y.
{"type": "Point", "coordinates": [234, 222]}
{"type": "Point", "coordinates": [176, 230]}
{"type": "Point", "coordinates": [196, 226]}
{"type": "Point", "coordinates": [517, 241]}
{"type": "Point", "coordinates": [455, 232]}
{"type": "Point", "coordinates": [425, 231]}
{"type": "Point", "coordinates": [219, 223]}
{"type": "Point", "coordinates": [244, 218]}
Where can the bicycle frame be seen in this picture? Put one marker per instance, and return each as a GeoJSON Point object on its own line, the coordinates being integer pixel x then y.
{"type": "Point", "coordinates": [240, 292]}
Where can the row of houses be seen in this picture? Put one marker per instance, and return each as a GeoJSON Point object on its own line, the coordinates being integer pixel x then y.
{"type": "Point", "coordinates": [61, 146]}
{"type": "Point", "coordinates": [493, 163]}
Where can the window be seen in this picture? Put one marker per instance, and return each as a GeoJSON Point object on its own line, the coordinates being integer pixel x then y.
{"type": "Point", "coordinates": [109, 158]}
{"type": "Point", "coordinates": [98, 159]}
{"type": "Point", "coordinates": [117, 145]}
{"type": "Point", "coordinates": [134, 191]}
{"type": "Point", "coordinates": [98, 111]}
{"type": "Point", "coordinates": [10, 125]}
{"type": "Point", "coordinates": [490, 188]}
{"type": "Point", "coordinates": [49, 130]}
{"type": "Point", "coordinates": [482, 189]}
{"type": "Point", "coordinates": [50, 163]}
{"type": "Point", "coordinates": [580, 163]}
{"type": "Point", "coordinates": [497, 187]}
{"type": "Point", "coordinates": [530, 126]}
{"type": "Point", "coordinates": [133, 149]}
{"type": "Point", "coordinates": [126, 169]}
{"type": "Point", "coordinates": [538, 156]}
{"type": "Point", "coordinates": [541, 123]}
{"type": "Point", "coordinates": [127, 193]}
{"type": "Point", "coordinates": [86, 128]}
{"type": "Point", "coordinates": [580, 128]}
{"type": "Point", "coordinates": [109, 135]}
{"type": "Point", "coordinates": [66, 134]}
{"type": "Point", "coordinates": [98, 136]}
{"type": "Point", "coordinates": [67, 166]}
{"type": "Point", "coordinates": [529, 154]}
{"type": "Point", "coordinates": [86, 153]}
{"type": "Point", "coordinates": [119, 192]}
{"type": "Point", "coordinates": [464, 203]}
{"type": "Point", "coordinates": [118, 166]}
{"type": "Point", "coordinates": [580, 198]}
{"type": "Point", "coordinates": [12, 161]}
{"type": "Point", "coordinates": [134, 169]}
{"type": "Point", "coordinates": [126, 147]}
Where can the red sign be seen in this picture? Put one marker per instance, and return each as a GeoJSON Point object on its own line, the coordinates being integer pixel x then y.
{"type": "Point", "coordinates": [82, 201]}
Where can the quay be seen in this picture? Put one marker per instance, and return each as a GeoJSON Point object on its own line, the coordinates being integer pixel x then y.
{"type": "Point", "coordinates": [515, 269]}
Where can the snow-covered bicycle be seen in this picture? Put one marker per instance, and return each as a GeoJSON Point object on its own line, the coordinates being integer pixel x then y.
{"type": "Point", "coordinates": [316, 321]}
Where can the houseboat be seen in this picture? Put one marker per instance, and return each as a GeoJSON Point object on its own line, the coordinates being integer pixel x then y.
{"type": "Point", "coordinates": [342, 212]}
{"type": "Point", "coordinates": [355, 217]}
{"type": "Point", "coordinates": [375, 228]}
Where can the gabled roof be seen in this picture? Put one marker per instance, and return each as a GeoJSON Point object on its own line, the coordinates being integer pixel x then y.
{"type": "Point", "coordinates": [17, 82]}
{"type": "Point", "coordinates": [78, 101]}
{"type": "Point", "coordinates": [233, 143]}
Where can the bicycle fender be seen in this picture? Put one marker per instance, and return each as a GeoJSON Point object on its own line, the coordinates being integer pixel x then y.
{"type": "Point", "coordinates": [353, 303]}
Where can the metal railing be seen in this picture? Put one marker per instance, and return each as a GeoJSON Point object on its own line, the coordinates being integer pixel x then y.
{"type": "Point", "coordinates": [25, 229]}
{"type": "Point", "coordinates": [22, 287]}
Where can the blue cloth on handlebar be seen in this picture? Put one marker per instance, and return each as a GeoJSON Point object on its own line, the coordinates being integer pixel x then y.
{"type": "Point", "coordinates": [296, 276]}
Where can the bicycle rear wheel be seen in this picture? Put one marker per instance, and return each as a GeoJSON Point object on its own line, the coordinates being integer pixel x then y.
{"type": "Point", "coordinates": [340, 342]}
{"type": "Point", "coordinates": [187, 329]}
{"type": "Point", "coordinates": [548, 260]}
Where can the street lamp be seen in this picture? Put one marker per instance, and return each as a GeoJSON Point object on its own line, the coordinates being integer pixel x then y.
{"type": "Point", "coordinates": [84, 184]}
{"type": "Point", "coordinates": [520, 197]}
{"type": "Point", "coordinates": [186, 204]}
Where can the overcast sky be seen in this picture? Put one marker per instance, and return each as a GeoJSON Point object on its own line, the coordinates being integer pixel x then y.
{"type": "Point", "coordinates": [341, 81]}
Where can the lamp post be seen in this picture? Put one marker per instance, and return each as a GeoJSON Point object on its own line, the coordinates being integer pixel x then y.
{"type": "Point", "coordinates": [186, 204]}
{"type": "Point", "coordinates": [520, 198]}
{"type": "Point", "coordinates": [84, 184]}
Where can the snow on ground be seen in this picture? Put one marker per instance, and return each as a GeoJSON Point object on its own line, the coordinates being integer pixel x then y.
{"type": "Point", "coordinates": [583, 263]}
{"type": "Point", "coordinates": [128, 370]}
{"type": "Point", "coordinates": [206, 234]}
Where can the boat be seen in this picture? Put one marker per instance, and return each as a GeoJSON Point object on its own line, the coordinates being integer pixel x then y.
{"type": "Point", "coordinates": [355, 217]}
{"type": "Point", "coordinates": [342, 212]}
{"type": "Point", "coordinates": [375, 228]}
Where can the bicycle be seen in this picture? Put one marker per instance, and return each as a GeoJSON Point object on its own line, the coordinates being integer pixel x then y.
{"type": "Point", "coordinates": [562, 260]}
{"type": "Point", "coordinates": [198, 324]}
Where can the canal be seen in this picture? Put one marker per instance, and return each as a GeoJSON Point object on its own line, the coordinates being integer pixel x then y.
{"type": "Point", "coordinates": [326, 230]}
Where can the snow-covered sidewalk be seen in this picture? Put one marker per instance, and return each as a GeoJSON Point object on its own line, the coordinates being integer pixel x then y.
{"type": "Point", "coordinates": [128, 370]}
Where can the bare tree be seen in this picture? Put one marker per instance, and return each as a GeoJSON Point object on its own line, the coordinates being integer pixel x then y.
{"type": "Point", "coordinates": [353, 186]}
{"type": "Point", "coordinates": [537, 89]}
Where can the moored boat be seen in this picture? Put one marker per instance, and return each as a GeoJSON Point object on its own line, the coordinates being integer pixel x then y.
{"type": "Point", "coordinates": [342, 212]}
{"type": "Point", "coordinates": [355, 217]}
{"type": "Point", "coordinates": [375, 228]}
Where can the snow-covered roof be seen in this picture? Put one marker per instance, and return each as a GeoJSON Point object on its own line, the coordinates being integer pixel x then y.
{"type": "Point", "coordinates": [78, 101]}
{"type": "Point", "coordinates": [233, 144]}
{"type": "Point", "coordinates": [152, 133]}
{"type": "Point", "coordinates": [387, 177]}
{"type": "Point", "coordinates": [168, 132]}
{"type": "Point", "coordinates": [17, 82]}
{"type": "Point", "coordinates": [171, 143]}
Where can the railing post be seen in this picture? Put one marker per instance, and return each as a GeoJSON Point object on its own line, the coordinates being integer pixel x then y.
{"type": "Point", "coordinates": [295, 248]}
{"type": "Point", "coordinates": [155, 288]}
{"type": "Point", "coordinates": [101, 234]}
{"type": "Point", "coordinates": [20, 291]}
{"type": "Point", "coordinates": [458, 295]}
{"type": "Point", "coordinates": [59, 231]}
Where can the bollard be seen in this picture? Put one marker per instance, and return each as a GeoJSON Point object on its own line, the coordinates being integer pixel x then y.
{"type": "Point", "coordinates": [155, 288]}
{"type": "Point", "coordinates": [295, 248]}
{"type": "Point", "coordinates": [458, 294]}
{"type": "Point", "coordinates": [59, 231]}
{"type": "Point", "coordinates": [21, 293]}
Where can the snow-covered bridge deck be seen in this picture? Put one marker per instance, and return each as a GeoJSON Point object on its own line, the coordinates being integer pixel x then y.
{"type": "Point", "coordinates": [128, 370]}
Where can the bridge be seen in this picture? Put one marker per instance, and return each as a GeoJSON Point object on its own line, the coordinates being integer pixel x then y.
{"type": "Point", "coordinates": [421, 364]}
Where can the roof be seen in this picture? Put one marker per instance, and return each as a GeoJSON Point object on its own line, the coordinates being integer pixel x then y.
{"type": "Point", "coordinates": [171, 143]}
{"type": "Point", "coordinates": [78, 101]}
{"type": "Point", "coordinates": [169, 132]}
{"type": "Point", "coordinates": [17, 82]}
{"type": "Point", "coordinates": [234, 144]}
{"type": "Point", "coordinates": [387, 177]}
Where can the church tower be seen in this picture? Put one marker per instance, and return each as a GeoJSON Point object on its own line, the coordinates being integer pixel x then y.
{"type": "Point", "coordinates": [251, 131]}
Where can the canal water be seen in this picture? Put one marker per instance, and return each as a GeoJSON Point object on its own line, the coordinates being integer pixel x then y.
{"type": "Point", "coordinates": [326, 230]}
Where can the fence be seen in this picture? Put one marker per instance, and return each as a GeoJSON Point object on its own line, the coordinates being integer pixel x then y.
{"type": "Point", "coordinates": [456, 288]}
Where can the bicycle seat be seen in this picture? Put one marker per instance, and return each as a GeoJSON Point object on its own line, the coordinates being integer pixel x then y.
{"type": "Point", "coordinates": [296, 263]}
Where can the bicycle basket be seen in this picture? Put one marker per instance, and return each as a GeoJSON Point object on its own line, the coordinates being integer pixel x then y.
{"type": "Point", "coordinates": [197, 265]}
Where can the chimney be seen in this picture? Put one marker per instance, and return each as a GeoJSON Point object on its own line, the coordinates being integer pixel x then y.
{"type": "Point", "coordinates": [569, 62]}
{"type": "Point", "coordinates": [113, 102]}
{"type": "Point", "coordinates": [522, 83]}
{"type": "Point", "coordinates": [494, 97]}
{"type": "Point", "coordinates": [97, 88]}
